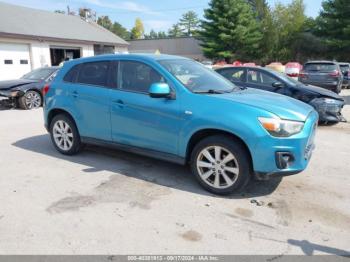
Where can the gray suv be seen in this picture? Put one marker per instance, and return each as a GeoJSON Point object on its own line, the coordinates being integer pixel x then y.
{"type": "Point", "coordinates": [326, 74]}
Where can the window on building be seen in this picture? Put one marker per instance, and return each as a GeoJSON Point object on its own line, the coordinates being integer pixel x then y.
{"type": "Point", "coordinates": [103, 49]}
{"type": "Point", "coordinates": [8, 61]}
{"type": "Point", "coordinates": [23, 62]}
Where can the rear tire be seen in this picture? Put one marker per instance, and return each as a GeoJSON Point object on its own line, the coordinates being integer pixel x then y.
{"type": "Point", "coordinates": [221, 164]}
{"type": "Point", "coordinates": [65, 135]}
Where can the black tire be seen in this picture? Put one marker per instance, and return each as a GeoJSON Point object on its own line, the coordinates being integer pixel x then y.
{"type": "Point", "coordinates": [22, 100]}
{"type": "Point", "coordinates": [76, 143]}
{"type": "Point", "coordinates": [241, 155]}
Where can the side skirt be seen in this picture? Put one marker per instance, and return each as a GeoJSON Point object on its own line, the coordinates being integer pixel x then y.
{"type": "Point", "coordinates": [136, 150]}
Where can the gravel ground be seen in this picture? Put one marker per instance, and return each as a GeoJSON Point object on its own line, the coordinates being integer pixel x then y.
{"type": "Point", "coordinates": [109, 202]}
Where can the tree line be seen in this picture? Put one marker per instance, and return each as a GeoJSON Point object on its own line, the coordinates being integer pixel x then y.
{"type": "Point", "coordinates": [251, 30]}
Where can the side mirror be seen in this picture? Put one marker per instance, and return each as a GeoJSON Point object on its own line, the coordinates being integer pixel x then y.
{"type": "Point", "coordinates": [159, 90]}
{"type": "Point", "coordinates": [278, 84]}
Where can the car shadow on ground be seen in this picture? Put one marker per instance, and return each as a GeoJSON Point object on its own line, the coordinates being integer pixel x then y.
{"type": "Point", "coordinates": [309, 248]}
{"type": "Point", "coordinates": [148, 169]}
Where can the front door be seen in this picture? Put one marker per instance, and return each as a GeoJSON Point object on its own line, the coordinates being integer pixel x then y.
{"type": "Point", "coordinates": [137, 119]}
{"type": "Point", "coordinates": [263, 80]}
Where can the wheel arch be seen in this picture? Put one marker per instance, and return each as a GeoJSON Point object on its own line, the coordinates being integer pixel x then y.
{"type": "Point", "coordinates": [56, 111]}
{"type": "Point", "coordinates": [204, 133]}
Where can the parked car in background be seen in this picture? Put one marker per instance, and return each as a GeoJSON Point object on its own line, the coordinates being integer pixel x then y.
{"type": "Point", "coordinates": [325, 74]}
{"type": "Point", "coordinates": [327, 103]}
{"type": "Point", "coordinates": [345, 69]}
{"type": "Point", "coordinates": [293, 69]}
{"type": "Point", "coordinates": [277, 66]}
{"type": "Point", "coordinates": [175, 109]}
{"type": "Point", "coordinates": [26, 92]}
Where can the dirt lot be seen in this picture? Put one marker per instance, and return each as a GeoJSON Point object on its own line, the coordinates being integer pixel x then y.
{"type": "Point", "coordinates": [103, 201]}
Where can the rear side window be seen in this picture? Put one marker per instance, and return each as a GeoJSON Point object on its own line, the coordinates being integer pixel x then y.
{"type": "Point", "coordinates": [234, 74]}
{"type": "Point", "coordinates": [320, 67]}
{"type": "Point", "coordinates": [72, 74]}
{"type": "Point", "coordinates": [93, 73]}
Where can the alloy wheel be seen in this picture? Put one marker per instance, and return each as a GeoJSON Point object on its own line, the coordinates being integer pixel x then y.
{"type": "Point", "coordinates": [32, 99]}
{"type": "Point", "coordinates": [217, 167]}
{"type": "Point", "coordinates": [63, 135]}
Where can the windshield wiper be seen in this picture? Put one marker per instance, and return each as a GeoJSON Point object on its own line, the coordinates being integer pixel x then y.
{"type": "Point", "coordinates": [210, 91]}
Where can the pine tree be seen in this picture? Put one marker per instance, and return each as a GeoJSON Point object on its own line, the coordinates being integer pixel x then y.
{"type": "Point", "coordinates": [175, 31]}
{"type": "Point", "coordinates": [189, 23]}
{"type": "Point", "coordinates": [230, 31]}
{"type": "Point", "coordinates": [334, 27]}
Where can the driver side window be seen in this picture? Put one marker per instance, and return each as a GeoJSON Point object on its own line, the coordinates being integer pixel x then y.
{"type": "Point", "coordinates": [137, 77]}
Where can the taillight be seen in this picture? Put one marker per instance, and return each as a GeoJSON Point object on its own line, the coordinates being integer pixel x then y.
{"type": "Point", "coordinates": [303, 74]}
{"type": "Point", "coordinates": [46, 89]}
{"type": "Point", "coordinates": [335, 73]}
{"type": "Point", "coordinates": [293, 75]}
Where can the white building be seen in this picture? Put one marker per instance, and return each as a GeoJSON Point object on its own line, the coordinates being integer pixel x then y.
{"type": "Point", "coordinates": [31, 38]}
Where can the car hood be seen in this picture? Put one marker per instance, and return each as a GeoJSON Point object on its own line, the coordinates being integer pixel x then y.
{"type": "Point", "coordinates": [280, 105]}
{"type": "Point", "coordinates": [9, 84]}
{"type": "Point", "coordinates": [321, 91]}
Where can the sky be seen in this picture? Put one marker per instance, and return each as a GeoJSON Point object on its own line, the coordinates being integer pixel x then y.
{"type": "Point", "coordinates": [159, 15]}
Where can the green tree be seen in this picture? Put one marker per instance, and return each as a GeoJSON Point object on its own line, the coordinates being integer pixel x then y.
{"type": "Point", "coordinates": [153, 34]}
{"type": "Point", "coordinates": [288, 24]}
{"type": "Point", "coordinates": [189, 23]}
{"type": "Point", "coordinates": [120, 31]}
{"type": "Point", "coordinates": [175, 31]}
{"type": "Point", "coordinates": [138, 31]}
{"type": "Point", "coordinates": [333, 25]}
{"type": "Point", "coordinates": [230, 31]}
{"type": "Point", "coordinates": [161, 34]}
{"type": "Point", "coordinates": [264, 17]}
{"type": "Point", "coordinates": [105, 22]}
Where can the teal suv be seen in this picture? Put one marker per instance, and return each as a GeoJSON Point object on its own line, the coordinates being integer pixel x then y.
{"type": "Point", "coordinates": [175, 109]}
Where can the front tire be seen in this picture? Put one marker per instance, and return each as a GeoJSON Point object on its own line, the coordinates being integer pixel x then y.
{"type": "Point", "coordinates": [221, 164]}
{"type": "Point", "coordinates": [65, 135]}
{"type": "Point", "coordinates": [30, 100]}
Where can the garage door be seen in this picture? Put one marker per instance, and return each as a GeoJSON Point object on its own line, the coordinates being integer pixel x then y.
{"type": "Point", "coordinates": [14, 60]}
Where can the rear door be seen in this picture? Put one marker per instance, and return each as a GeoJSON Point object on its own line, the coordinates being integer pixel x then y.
{"type": "Point", "coordinates": [91, 94]}
{"type": "Point", "coordinates": [137, 119]}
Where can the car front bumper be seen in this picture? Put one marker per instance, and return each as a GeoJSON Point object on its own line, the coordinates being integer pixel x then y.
{"type": "Point", "coordinates": [11, 93]}
{"type": "Point", "coordinates": [329, 112]}
{"type": "Point", "coordinates": [273, 156]}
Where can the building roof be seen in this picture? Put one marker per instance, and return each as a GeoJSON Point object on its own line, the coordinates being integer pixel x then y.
{"type": "Point", "coordinates": [28, 22]}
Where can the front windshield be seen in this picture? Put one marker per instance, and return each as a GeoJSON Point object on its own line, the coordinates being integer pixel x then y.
{"type": "Point", "coordinates": [39, 74]}
{"type": "Point", "coordinates": [196, 77]}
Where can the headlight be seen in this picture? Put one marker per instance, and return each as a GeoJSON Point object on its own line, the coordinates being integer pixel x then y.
{"type": "Point", "coordinates": [328, 100]}
{"type": "Point", "coordinates": [281, 128]}
{"type": "Point", "coordinates": [14, 93]}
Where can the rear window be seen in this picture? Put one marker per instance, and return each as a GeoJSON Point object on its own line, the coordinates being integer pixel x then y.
{"type": "Point", "coordinates": [344, 67]}
{"type": "Point", "coordinates": [71, 76]}
{"type": "Point", "coordinates": [320, 67]}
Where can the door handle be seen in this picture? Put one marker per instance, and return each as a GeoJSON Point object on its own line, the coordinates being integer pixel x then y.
{"type": "Point", "coordinates": [75, 94]}
{"type": "Point", "coordinates": [119, 102]}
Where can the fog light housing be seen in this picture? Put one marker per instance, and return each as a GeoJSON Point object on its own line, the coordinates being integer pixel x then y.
{"type": "Point", "coordinates": [284, 159]}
